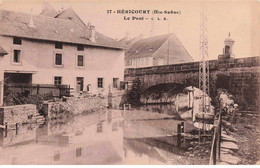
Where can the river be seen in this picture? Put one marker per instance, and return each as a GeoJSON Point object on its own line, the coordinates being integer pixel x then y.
{"type": "Point", "coordinates": [145, 135]}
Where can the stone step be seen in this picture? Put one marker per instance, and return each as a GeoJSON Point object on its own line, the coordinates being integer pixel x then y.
{"type": "Point", "coordinates": [229, 145]}
{"type": "Point", "coordinates": [40, 118]}
{"type": "Point", "coordinates": [226, 137]}
{"type": "Point", "coordinates": [228, 158]}
{"type": "Point", "coordinates": [226, 151]}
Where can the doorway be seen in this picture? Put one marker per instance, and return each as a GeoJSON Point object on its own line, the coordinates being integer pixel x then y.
{"type": "Point", "coordinates": [79, 84]}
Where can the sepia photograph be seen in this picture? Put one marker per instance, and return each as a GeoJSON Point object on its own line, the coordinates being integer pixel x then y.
{"type": "Point", "coordinates": [144, 82]}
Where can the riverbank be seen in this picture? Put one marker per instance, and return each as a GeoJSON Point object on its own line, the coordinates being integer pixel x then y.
{"type": "Point", "coordinates": [247, 133]}
{"type": "Point", "coordinates": [243, 149]}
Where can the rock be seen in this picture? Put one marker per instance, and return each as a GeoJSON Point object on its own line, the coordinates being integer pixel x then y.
{"type": "Point", "coordinates": [229, 145]}
{"type": "Point", "coordinates": [249, 126]}
{"type": "Point", "coordinates": [229, 159]}
{"type": "Point", "coordinates": [191, 155]}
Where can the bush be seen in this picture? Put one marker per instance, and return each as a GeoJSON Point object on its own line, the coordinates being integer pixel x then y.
{"type": "Point", "coordinates": [13, 98]}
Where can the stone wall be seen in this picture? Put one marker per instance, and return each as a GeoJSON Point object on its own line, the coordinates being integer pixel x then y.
{"type": "Point", "coordinates": [75, 106]}
{"type": "Point", "coordinates": [18, 114]}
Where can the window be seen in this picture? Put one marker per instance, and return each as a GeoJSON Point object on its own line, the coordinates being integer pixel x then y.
{"type": "Point", "coordinates": [99, 127]}
{"type": "Point", "coordinates": [78, 152]}
{"type": "Point", "coordinates": [100, 82]}
{"type": "Point", "coordinates": [58, 59]}
{"type": "Point", "coordinates": [80, 61]}
{"type": "Point", "coordinates": [115, 82]}
{"type": "Point", "coordinates": [17, 40]}
{"type": "Point", "coordinates": [57, 80]}
{"type": "Point", "coordinates": [17, 56]}
{"type": "Point", "coordinates": [56, 156]}
{"type": "Point", "coordinates": [58, 45]}
{"type": "Point", "coordinates": [80, 47]}
{"type": "Point", "coordinates": [114, 127]}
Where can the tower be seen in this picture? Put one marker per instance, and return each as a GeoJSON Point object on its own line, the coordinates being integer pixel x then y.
{"type": "Point", "coordinates": [228, 50]}
{"type": "Point", "coordinates": [204, 64]}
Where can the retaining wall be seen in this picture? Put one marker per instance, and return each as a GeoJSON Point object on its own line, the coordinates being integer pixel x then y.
{"type": "Point", "coordinates": [18, 114]}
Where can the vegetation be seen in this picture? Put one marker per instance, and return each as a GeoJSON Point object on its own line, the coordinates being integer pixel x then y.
{"type": "Point", "coordinates": [15, 98]}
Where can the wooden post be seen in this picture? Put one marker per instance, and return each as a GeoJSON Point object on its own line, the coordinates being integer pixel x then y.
{"type": "Point", "coordinates": [182, 127]}
{"type": "Point", "coordinates": [110, 105]}
{"type": "Point", "coordinates": [16, 128]}
{"type": "Point", "coordinates": [219, 132]}
{"type": "Point", "coordinates": [212, 160]}
{"type": "Point", "coordinates": [179, 135]}
{"type": "Point", "coordinates": [37, 89]}
{"type": "Point", "coordinates": [60, 92]}
{"type": "Point", "coordinates": [68, 92]}
{"type": "Point", "coordinates": [6, 129]}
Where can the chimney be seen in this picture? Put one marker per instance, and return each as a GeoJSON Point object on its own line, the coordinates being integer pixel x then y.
{"type": "Point", "coordinates": [92, 34]}
{"type": "Point", "coordinates": [31, 24]}
{"type": "Point", "coordinates": [88, 25]}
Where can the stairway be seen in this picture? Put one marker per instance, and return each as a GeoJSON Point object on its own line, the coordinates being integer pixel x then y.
{"type": "Point", "coordinates": [40, 118]}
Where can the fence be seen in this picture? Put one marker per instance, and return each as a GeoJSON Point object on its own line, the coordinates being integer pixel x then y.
{"type": "Point", "coordinates": [38, 89]}
{"type": "Point", "coordinates": [216, 141]}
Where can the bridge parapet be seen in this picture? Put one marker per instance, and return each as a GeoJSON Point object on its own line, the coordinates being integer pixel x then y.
{"type": "Point", "coordinates": [194, 66]}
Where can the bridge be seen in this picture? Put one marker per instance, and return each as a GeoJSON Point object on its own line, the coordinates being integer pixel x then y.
{"type": "Point", "coordinates": [241, 77]}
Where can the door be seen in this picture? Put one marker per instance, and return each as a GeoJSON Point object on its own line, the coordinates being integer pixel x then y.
{"type": "Point", "coordinates": [79, 84]}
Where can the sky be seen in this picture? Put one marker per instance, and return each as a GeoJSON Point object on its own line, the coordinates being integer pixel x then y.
{"type": "Point", "coordinates": [240, 18]}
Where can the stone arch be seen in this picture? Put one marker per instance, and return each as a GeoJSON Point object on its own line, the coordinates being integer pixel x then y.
{"type": "Point", "coordinates": [161, 93]}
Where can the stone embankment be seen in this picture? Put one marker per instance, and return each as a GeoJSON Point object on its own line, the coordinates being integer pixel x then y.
{"type": "Point", "coordinates": [240, 139]}
{"type": "Point", "coordinates": [79, 105]}
{"type": "Point", "coordinates": [19, 114]}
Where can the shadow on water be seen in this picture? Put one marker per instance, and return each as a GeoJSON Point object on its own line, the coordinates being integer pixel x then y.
{"type": "Point", "coordinates": [140, 136]}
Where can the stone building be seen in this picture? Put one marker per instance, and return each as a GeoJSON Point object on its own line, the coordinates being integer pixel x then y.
{"type": "Point", "coordinates": [155, 51]}
{"type": "Point", "coordinates": [58, 48]}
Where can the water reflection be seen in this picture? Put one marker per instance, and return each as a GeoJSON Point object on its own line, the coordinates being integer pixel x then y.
{"type": "Point", "coordinates": [141, 136]}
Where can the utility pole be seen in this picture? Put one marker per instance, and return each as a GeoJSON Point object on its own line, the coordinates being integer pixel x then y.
{"type": "Point", "coordinates": [204, 64]}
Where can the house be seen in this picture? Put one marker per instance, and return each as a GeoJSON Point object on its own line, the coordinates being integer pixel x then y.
{"type": "Point", "coordinates": [58, 49]}
{"type": "Point", "coordinates": [155, 51]}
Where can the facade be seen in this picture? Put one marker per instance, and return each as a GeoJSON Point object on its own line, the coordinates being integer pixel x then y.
{"type": "Point", "coordinates": [155, 51]}
{"type": "Point", "coordinates": [39, 49]}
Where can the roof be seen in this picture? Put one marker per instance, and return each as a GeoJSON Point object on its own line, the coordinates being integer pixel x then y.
{"type": "Point", "coordinates": [146, 47]}
{"type": "Point", "coordinates": [2, 51]}
{"type": "Point", "coordinates": [229, 39]}
{"type": "Point", "coordinates": [158, 47]}
{"type": "Point", "coordinates": [129, 42]}
{"type": "Point", "coordinates": [70, 14]}
{"type": "Point", "coordinates": [51, 29]}
{"type": "Point", "coordinates": [48, 10]}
